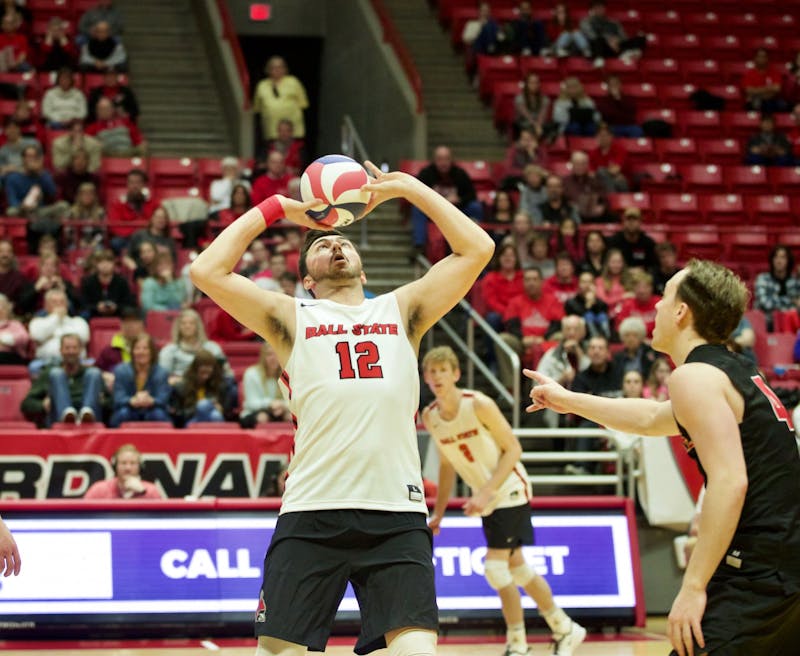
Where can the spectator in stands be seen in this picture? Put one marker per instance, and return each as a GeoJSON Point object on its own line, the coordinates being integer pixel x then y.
{"type": "Point", "coordinates": [64, 102]}
{"type": "Point", "coordinates": [263, 399]}
{"type": "Point", "coordinates": [48, 276]}
{"type": "Point", "coordinates": [66, 145]}
{"type": "Point", "coordinates": [619, 110]}
{"type": "Point", "coordinates": [594, 249]}
{"type": "Point", "coordinates": [635, 353]}
{"type": "Point", "coordinates": [121, 95]}
{"type": "Point", "coordinates": [790, 89]}
{"type": "Point", "coordinates": [221, 189]}
{"type": "Point", "coordinates": [529, 319]}
{"type": "Point", "coordinates": [563, 361]}
{"type": "Point", "coordinates": [68, 391]}
{"type": "Point", "coordinates": [574, 112]}
{"type": "Point", "coordinates": [162, 291]}
{"type": "Point", "coordinates": [762, 85]}
{"type": "Point", "coordinates": [292, 148]}
{"type": "Point", "coordinates": [141, 390]}
{"type": "Point", "coordinates": [564, 35]}
{"type": "Point", "coordinates": [13, 283]}
{"type": "Point", "coordinates": [607, 37]}
{"type": "Point", "coordinates": [539, 255]}
{"type": "Point", "coordinates": [520, 237]}
{"type": "Point", "coordinates": [778, 288]}
{"type": "Point", "coordinates": [481, 35]}
{"type": "Point", "coordinates": [768, 147]}
{"type": "Point", "coordinates": [531, 107]}
{"type": "Point", "coordinates": [636, 246]}
{"type": "Point", "coordinates": [743, 339]}
{"type": "Point", "coordinates": [274, 181]}
{"type": "Point", "coordinates": [158, 231]}
{"type": "Point", "coordinates": [102, 11]}
{"type": "Point", "coordinates": [204, 393]}
{"type": "Point", "coordinates": [118, 134]}
{"type": "Point", "coordinates": [103, 51]}
{"type": "Point", "coordinates": [613, 282]}
{"type": "Point", "coordinates": [135, 205]}
{"type": "Point", "coordinates": [56, 50]}
{"type": "Point", "coordinates": [532, 189]}
{"type": "Point", "coordinates": [563, 284]}
{"type": "Point", "coordinates": [450, 181]}
{"type": "Point", "coordinates": [105, 293]}
{"type": "Point", "coordinates": [239, 203]}
{"type": "Point", "coordinates": [119, 349]}
{"type": "Point", "coordinates": [528, 33]}
{"type": "Point", "coordinates": [46, 331]}
{"type": "Point", "coordinates": [556, 206]}
{"type": "Point", "coordinates": [609, 161]}
{"type": "Point", "coordinates": [11, 150]}
{"type": "Point", "coordinates": [794, 134]}
{"type": "Point", "coordinates": [29, 124]}
{"type": "Point", "coordinates": [14, 47]}
{"type": "Point", "coordinates": [13, 335]}
{"type": "Point", "coordinates": [269, 278]}
{"type": "Point", "coordinates": [279, 96]}
{"type": "Point", "coordinates": [667, 258]}
{"type": "Point", "coordinates": [188, 338]}
{"type": "Point", "coordinates": [255, 260]}
{"type": "Point", "coordinates": [586, 304]}
{"type": "Point", "coordinates": [656, 385]}
{"type": "Point", "coordinates": [501, 215]}
{"type": "Point", "coordinates": [127, 482]}
{"type": "Point", "coordinates": [501, 284]}
{"type": "Point", "coordinates": [642, 303]}
{"type": "Point", "coordinates": [525, 151]}
{"type": "Point", "coordinates": [90, 215]}
{"type": "Point", "coordinates": [585, 191]}
{"type": "Point", "coordinates": [77, 173]}
{"type": "Point", "coordinates": [566, 239]}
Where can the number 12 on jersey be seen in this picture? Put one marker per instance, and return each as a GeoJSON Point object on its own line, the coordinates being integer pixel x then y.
{"type": "Point", "coordinates": [366, 358]}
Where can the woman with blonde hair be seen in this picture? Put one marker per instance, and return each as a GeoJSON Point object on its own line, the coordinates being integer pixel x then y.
{"type": "Point", "coordinates": [188, 339]}
{"type": "Point", "coordinates": [263, 401]}
{"type": "Point", "coordinates": [613, 282]}
{"type": "Point", "coordinates": [89, 211]}
{"type": "Point", "coordinates": [574, 111]}
{"type": "Point", "coordinates": [656, 385]}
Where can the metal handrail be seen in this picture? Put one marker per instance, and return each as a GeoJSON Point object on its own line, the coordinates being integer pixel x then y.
{"type": "Point", "coordinates": [352, 146]}
{"type": "Point", "coordinates": [229, 34]}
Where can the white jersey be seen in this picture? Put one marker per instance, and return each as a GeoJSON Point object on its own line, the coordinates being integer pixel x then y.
{"type": "Point", "coordinates": [353, 387]}
{"type": "Point", "coordinates": [470, 448]}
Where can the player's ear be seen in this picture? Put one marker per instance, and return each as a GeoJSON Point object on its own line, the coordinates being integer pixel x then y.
{"type": "Point", "coordinates": [457, 374]}
{"type": "Point", "coordinates": [309, 283]}
{"type": "Point", "coordinates": [363, 277]}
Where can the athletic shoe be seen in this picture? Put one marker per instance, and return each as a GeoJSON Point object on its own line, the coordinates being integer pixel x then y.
{"type": "Point", "coordinates": [566, 643]}
{"type": "Point", "coordinates": [70, 416]}
{"type": "Point", "coordinates": [514, 652]}
{"type": "Point", "coordinates": [86, 416]}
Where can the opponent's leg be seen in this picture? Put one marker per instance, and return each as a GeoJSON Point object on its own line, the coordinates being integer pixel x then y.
{"type": "Point", "coordinates": [268, 646]}
{"type": "Point", "coordinates": [411, 641]}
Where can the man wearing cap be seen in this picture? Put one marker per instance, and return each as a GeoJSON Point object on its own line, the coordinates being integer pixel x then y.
{"type": "Point", "coordinates": [118, 350]}
{"type": "Point", "coordinates": [638, 248]}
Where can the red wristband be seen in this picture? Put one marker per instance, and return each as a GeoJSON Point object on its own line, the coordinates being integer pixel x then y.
{"type": "Point", "coordinates": [271, 209]}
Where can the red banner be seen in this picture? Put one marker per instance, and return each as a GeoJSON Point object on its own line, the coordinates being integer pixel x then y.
{"type": "Point", "coordinates": [194, 462]}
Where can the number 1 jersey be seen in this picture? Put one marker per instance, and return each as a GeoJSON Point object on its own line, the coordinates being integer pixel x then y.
{"type": "Point", "coordinates": [352, 383]}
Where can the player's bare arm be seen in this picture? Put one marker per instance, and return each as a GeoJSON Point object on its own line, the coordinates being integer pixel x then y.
{"type": "Point", "coordinates": [638, 416]}
{"type": "Point", "coordinates": [268, 314]}
{"type": "Point", "coordinates": [713, 427]}
{"type": "Point", "coordinates": [10, 562]}
{"type": "Point", "coordinates": [490, 416]}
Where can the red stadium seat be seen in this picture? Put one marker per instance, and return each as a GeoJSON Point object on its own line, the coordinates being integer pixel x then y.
{"type": "Point", "coordinates": [479, 172]}
{"type": "Point", "coordinates": [12, 391]}
{"type": "Point", "coordinates": [702, 22]}
{"type": "Point", "coordinates": [627, 70]}
{"type": "Point", "coordinates": [724, 48]}
{"type": "Point", "coordinates": [503, 103]}
{"type": "Point", "coordinates": [676, 96]}
{"type": "Point", "coordinates": [699, 123]}
{"type": "Point", "coordinates": [680, 46]}
{"type": "Point", "coordinates": [412, 166]}
{"type": "Point", "coordinates": [657, 71]}
{"type": "Point", "coordinates": [676, 208]}
{"type": "Point", "coordinates": [740, 125]}
{"type": "Point", "coordinates": [701, 72]}
{"type": "Point", "coordinates": [659, 177]}
{"type": "Point", "coordinates": [173, 171]}
{"type": "Point", "coordinates": [683, 150]}
{"type": "Point", "coordinates": [114, 170]}
{"type": "Point", "coordinates": [778, 350]}
{"type": "Point", "coordinates": [703, 244]}
{"type": "Point", "coordinates": [702, 177]}
{"type": "Point", "coordinates": [644, 93]}
{"type": "Point", "coordinates": [720, 151]}
{"type": "Point", "coordinates": [621, 201]}
{"type": "Point", "coordinates": [495, 69]}
{"type": "Point", "coordinates": [747, 247]}
{"type": "Point", "coordinates": [640, 149]}
{"type": "Point", "coordinates": [13, 371]}
{"type": "Point", "coordinates": [546, 68]}
{"type": "Point", "coordinates": [770, 210]}
{"type": "Point", "coordinates": [159, 324]}
{"type": "Point", "coordinates": [730, 93]}
{"type": "Point", "coordinates": [747, 179]}
{"type": "Point", "coordinates": [784, 179]}
{"type": "Point", "coordinates": [101, 330]}
{"type": "Point", "coordinates": [669, 21]}
{"type": "Point", "coordinates": [723, 208]}
{"type": "Point", "coordinates": [786, 321]}
{"type": "Point", "coordinates": [742, 24]}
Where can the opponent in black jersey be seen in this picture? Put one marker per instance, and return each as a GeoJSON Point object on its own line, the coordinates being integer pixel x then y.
{"type": "Point", "coordinates": [741, 590]}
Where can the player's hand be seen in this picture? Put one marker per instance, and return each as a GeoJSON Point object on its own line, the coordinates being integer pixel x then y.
{"type": "Point", "coordinates": [295, 211]}
{"type": "Point", "coordinates": [684, 620]}
{"type": "Point", "coordinates": [477, 503]}
{"type": "Point", "coordinates": [10, 562]}
{"type": "Point", "coordinates": [384, 186]}
{"type": "Point", "coordinates": [546, 393]}
{"type": "Point", "coordinates": [434, 521]}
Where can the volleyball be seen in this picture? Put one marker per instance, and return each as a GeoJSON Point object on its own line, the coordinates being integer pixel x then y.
{"type": "Point", "coordinates": [337, 180]}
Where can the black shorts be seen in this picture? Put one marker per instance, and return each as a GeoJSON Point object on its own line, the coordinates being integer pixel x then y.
{"type": "Point", "coordinates": [387, 557]}
{"type": "Point", "coordinates": [508, 528]}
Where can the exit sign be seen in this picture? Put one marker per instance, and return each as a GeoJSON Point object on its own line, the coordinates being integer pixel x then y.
{"type": "Point", "coordinates": [260, 11]}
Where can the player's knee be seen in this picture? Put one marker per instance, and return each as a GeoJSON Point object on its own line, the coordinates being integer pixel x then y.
{"type": "Point", "coordinates": [522, 574]}
{"type": "Point", "coordinates": [413, 642]}
{"type": "Point", "coordinates": [268, 646]}
{"type": "Point", "coordinates": [497, 574]}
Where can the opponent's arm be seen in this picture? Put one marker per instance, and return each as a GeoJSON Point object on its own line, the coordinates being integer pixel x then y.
{"type": "Point", "coordinates": [10, 562]}
{"type": "Point", "coordinates": [637, 416]}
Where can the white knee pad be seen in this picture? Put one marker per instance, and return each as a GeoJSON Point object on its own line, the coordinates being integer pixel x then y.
{"type": "Point", "coordinates": [522, 574]}
{"type": "Point", "coordinates": [497, 574]}
{"type": "Point", "coordinates": [268, 646]}
{"type": "Point", "coordinates": [413, 642]}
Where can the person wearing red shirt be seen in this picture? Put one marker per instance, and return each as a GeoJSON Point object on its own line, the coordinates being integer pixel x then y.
{"type": "Point", "coordinates": [794, 133]}
{"type": "Point", "coordinates": [642, 304]}
{"type": "Point", "coordinates": [118, 134]}
{"type": "Point", "coordinates": [293, 149]}
{"type": "Point", "coordinates": [127, 482]}
{"type": "Point", "coordinates": [14, 46]}
{"type": "Point", "coordinates": [135, 205]}
{"type": "Point", "coordinates": [529, 319]}
{"type": "Point", "coordinates": [762, 85]}
{"type": "Point", "coordinates": [501, 284]}
{"type": "Point", "coordinates": [563, 284]}
{"type": "Point", "coordinates": [609, 161]}
{"type": "Point", "coordinates": [275, 181]}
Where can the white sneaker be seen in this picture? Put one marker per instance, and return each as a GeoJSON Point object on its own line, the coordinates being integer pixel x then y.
{"type": "Point", "coordinates": [566, 643]}
{"type": "Point", "coordinates": [510, 651]}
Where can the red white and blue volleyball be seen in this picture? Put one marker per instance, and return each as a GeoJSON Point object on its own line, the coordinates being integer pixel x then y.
{"type": "Point", "coordinates": [337, 180]}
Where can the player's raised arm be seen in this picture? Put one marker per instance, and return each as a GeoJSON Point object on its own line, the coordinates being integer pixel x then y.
{"type": "Point", "coordinates": [428, 299]}
{"type": "Point", "coordinates": [266, 313]}
{"type": "Point", "coordinates": [637, 416]}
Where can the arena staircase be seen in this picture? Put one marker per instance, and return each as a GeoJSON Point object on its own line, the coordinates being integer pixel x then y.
{"type": "Point", "coordinates": [181, 114]}
{"type": "Point", "coordinates": [455, 115]}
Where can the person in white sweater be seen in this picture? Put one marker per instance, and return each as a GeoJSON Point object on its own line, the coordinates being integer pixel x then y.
{"type": "Point", "coordinates": [188, 337]}
{"type": "Point", "coordinates": [46, 331]}
{"type": "Point", "coordinates": [64, 102]}
{"type": "Point", "coordinates": [263, 401]}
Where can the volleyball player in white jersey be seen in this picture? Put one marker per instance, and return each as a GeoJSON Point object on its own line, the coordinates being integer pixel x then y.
{"type": "Point", "coordinates": [9, 553]}
{"type": "Point", "coordinates": [475, 440]}
{"type": "Point", "coordinates": [353, 509]}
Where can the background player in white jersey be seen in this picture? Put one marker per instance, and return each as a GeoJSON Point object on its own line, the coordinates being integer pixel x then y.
{"type": "Point", "coordinates": [9, 554]}
{"type": "Point", "coordinates": [353, 509]}
{"type": "Point", "coordinates": [475, 440]}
